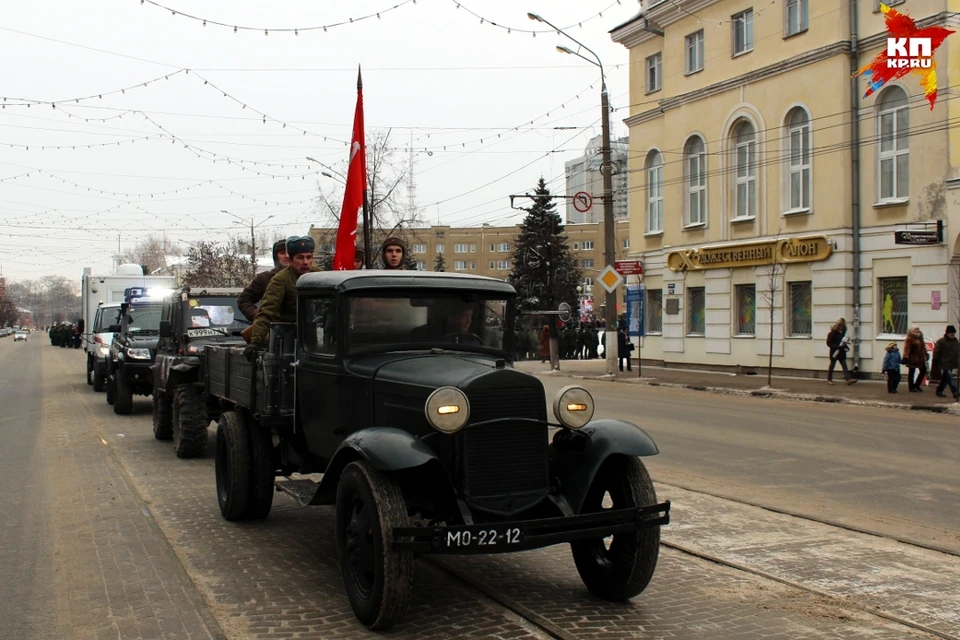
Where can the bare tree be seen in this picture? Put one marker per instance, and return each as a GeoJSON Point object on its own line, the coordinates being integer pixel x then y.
{"type": "Point", "coordinates": [774, 276]}
{"type": "Point", "coordinates": [151, 253]}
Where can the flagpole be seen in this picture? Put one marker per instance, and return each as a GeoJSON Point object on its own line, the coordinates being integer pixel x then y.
{"type": "Point", "coordinates": [367, 256]}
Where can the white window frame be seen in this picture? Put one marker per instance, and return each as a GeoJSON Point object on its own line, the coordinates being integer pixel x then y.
{"type": "Point", "coordinates": [421, 266]}
{"type": "Point", "coordinates": [473, 247]}
{"type": "Point", "coordinates": [693, 56]}
{"type": "Point", "coordinates": [460, 248]}
{"type": "Point", "coordinates": [503, 265]}
{"type": "Point", "coordinates": [473, 265]}
{"type": "Point", "coordinates": [492, 267]}
{"type": "Point", "coordinates": [653, 73]}
{"type": "Point", "coordinates": [695, 182]}
{"type": "Point", "coordinates": [743, 20]}
{"type": "Point", "coordinates": [626, 243]}
{"type": "Point", "coordinates": [439, 248]}
{"type": "Point", "coordinates": [503, 247]}
{"type": "Point", "coordinates": [587, 245]}
{"type": "Point", "coordinates": [744, 175]}
{"type": "Point", "coordinates": [895, 153]}
{"type": "Point", "coordinates": [802, 10]}
{"type": "Point", "coordinates": [799, 164]}
{"type": "Point", "coordinates": [654, 192]}
{"type": "Point", "coordinates": [459, 265]}
{"type": "Point", "coordinates": [588, 263]}
{"type": "Point", "coordinates": [419, 248]}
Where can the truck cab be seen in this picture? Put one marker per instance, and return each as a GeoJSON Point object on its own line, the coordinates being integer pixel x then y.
{"type": "Point", "coordinates": [399, 388]}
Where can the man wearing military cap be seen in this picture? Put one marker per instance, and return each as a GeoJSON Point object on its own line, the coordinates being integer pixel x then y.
{"type": "Point", "coordinates": [393, 252]}
{"type": "Point", "coordinates": [279, 303]}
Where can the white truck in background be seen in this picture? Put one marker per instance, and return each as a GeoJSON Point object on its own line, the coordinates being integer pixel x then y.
{"type": "Point", "coordinates": [110, 290]}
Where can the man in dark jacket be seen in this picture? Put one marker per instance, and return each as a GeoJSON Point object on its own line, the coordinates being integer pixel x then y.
{"type": "Point", "coordinates": [279, 303]}
{"type": "Point", "coordinates": [248, 299]}
{"type": "Point", "coordinates": [946, 358]}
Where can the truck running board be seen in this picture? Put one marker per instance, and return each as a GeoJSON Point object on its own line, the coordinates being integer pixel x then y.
{"type": "Point", "coordinates": [301, 490]}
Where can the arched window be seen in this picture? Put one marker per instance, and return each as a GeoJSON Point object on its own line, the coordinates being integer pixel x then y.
{"type": "Point", "coordinates": [654, 191]}
{"type": "Point", "coordinates": [894, 133]}
{"type": "Point", "coordinates": [798, 160]}
{"type": "Point", "coordinates": [695, 156]}
{"type": "Point", "coordinates": [745, 170]}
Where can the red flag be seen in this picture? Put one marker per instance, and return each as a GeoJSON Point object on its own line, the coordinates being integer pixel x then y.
{"type": "Point", "coordinates": [353, 191]}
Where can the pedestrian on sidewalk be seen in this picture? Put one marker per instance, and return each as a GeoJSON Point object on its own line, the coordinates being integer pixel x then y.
{"type": "Point", "coordinates": [623, 348]}
{"type": "Point", "coordinates": [891, 367]}
{"type": "Point", "coordinates": [838, 351]}
{"type": "Point", "coordinates": [544, 346]}
{"type": "Point", "coordinates": [946, 358]}
{"type": "Point", "coordinates": [915, 357]}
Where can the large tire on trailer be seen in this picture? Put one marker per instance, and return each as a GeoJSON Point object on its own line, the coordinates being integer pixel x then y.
{"type": "Point", "coordinates": [99, 380]}
{"type": "Point", "coordinates": [162, 416]}
{"type": "Point", "coordinates": [122, 395]}
{"type": "Point", "coordinates": [262, 473]}
{"type": "Point", "coordinates": [378, 580]}
{"type": "Point", "coordinates": [622, 569]}
{"type": "Point", "coordinates": [232, 465]}
{"type": "Point", "coordinates": [190, 421]}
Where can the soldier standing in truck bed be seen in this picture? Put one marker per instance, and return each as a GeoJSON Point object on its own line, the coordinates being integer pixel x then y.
{"type": "Point", "coordinates": [248, 299]}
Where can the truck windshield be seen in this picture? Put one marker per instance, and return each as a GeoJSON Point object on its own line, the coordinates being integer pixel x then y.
{"type": "Point", "coordinates": [143, 319]}
{"type": "Point", "coordinates": [471, 323]}
{"type": "Point", "coordinates": [216, 313]}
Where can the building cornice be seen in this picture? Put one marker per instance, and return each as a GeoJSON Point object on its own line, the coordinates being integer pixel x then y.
{"type": "Point", "coordinates": [944, 18]}
{"type": "Point", "coordinates": [804, 59]}
{"type": "Point", "coordinates": [644, 25]}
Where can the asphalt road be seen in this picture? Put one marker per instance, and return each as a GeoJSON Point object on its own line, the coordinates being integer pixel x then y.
{"type": "Point", "coordinates": [890, 471]}
{"type": "Point", "coordinates": [25, 535]}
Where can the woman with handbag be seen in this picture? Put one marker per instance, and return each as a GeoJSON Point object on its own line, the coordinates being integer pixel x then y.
{"type": "Point", "coordinates": [837, 344]}
{"type": "Point", "coordinates": [915, 357]}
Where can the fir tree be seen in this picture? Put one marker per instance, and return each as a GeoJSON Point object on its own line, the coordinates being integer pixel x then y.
{"type": "Point", "coordinates": [439, 264]}
{"type": "Point", "coordinates": [544, 271]}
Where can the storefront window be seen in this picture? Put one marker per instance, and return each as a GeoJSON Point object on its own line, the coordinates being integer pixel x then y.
{"type": "Point", "coordinates": [801, 305]}
{"type": "Point", "coordinates": [696, 311]}
{"type": "Point", "coordinates": [893, 305]}
{"type": "Point", "coordinates": [746, 309]}
{"type": "Point", "coordinates": [654, 310]}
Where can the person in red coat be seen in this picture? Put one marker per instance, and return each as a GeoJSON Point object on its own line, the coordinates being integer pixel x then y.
{"type": "Point", "coordinates": [545, 343]}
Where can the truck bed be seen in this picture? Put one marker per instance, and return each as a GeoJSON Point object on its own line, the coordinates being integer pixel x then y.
{"type": "Point", "coordinates": [230, 377]}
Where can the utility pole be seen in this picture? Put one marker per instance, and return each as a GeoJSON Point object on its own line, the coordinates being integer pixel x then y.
{"type": "Point", "coordinates": [253, 238]}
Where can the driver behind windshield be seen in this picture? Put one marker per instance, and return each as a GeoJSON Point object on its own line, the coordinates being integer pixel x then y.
{"type": "Point", "coordinates": [447, 321]}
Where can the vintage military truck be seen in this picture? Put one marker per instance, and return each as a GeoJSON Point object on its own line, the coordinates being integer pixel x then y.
{"type": "Point", "coordinates": [191, 319]}
{"type": "Point", "coordinates": [399, 388]}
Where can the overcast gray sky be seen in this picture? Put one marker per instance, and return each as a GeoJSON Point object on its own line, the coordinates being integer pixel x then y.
{"type": "Point", "coordinates": [434, 73]}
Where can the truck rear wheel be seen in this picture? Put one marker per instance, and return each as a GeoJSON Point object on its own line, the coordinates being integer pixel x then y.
{"type": "Point", "coordinates": [622, 568]}
{"type": "Point", "coordinates": [189, 421]}
{"type": "Point", "coordinates": [232, 465]}
{"type": "Point", "coordinates": [262, 473]}
{"type": "Point", "coordinates": [122, 395]}
{"type": "Point", "coordinates": [162, 418]}
{"type": "Point", "coordinates": [377, 579]}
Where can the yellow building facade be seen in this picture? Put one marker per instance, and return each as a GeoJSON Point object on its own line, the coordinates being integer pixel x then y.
{"type": "Point", "coordinates": [748, 142]}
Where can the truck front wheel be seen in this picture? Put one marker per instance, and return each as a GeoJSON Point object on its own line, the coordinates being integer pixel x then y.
{"type": "Point", "coordinates": [162, 418]}
{"type": "Point", "coordinates": [89, 369]}
{"type": "Point", "coordinates": [99, 380]}
{"type": "Point", "coordinates": [620, 567]}
{"type": "Point", "coordinates": [122, 395]}
{"type": "Point", "coordinates": [189, 421]}
{"type": "Point", "coordinates": [111, 388]}
{"type": "Point", "coordinates": [232, 465]}
{"type": "Point", "coordinates": [377, 579]}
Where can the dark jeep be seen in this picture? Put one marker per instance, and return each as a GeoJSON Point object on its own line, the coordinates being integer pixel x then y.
{"type": "Point", "coordinates": [399, 388]}
{"type": "Point", "coordinates": [192, 318]}
{"type": "Point", "coordinates": [131, 353]}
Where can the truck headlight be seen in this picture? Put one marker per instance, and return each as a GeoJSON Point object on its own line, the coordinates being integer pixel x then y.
{"type": "Point", "coordinates": [138, 354]}
{"type": "Point", "coordinates": [573, 406]}
{"type": "Point", "coordinates": [447, 409]}
{"type": "Point", "coordinates": [104, 350]}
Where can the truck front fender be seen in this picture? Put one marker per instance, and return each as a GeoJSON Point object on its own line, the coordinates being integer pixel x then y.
{"type": "Point", "coordinates": [604, 438]}
{"type": "Point", "coordinates": [385, 448]}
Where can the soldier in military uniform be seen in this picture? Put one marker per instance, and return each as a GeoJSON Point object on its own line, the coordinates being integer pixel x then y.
{"type": "Point", "coordinates": [393, 252]}
{"type": "Point", "coordinates": [279, 302]}
{"type": "Point", "coordinates": [253, 293]}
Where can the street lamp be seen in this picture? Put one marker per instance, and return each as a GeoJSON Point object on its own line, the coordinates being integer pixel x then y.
{"type": "Point", "coordinates": [253, 237]}
{"type": "Point", "coordinates": [609, 240]}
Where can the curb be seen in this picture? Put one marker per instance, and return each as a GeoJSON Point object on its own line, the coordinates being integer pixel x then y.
{"type": "Point", "coordinates": [768, 393]}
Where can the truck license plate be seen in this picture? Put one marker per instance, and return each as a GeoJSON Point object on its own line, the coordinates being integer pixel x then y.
{"type": "Point", "coordinates": [483, 537]}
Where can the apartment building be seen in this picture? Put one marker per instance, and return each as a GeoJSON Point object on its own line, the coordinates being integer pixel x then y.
{"type": "Point", "coordinates": [583, 175]}
{"type": "Point", "coordinates": [763, 177]}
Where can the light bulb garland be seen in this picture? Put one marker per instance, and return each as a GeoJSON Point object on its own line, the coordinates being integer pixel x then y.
{"type": "Point", "coordinates": [534, 32]}
{"type": "Point", "coordinates": [9, 101]}
{"type": "Point", "coordinates": [267, 30]}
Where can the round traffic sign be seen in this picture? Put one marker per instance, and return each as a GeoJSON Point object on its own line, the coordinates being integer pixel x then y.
{"type": "Point", "coordinates": [564, 310]}
{"type": "Point", "coordinates": [582, 201]}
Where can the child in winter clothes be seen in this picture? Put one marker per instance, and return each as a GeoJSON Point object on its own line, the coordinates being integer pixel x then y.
{"type": "Point", "coordinates": [891, 367]}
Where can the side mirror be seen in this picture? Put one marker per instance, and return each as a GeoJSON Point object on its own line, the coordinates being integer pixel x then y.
{"type": "Point", "coordinates": [165, 330]}
{"type": "Point", "coordinates": [114, 328]}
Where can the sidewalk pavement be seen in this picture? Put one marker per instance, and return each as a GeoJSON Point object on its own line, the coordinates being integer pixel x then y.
{"type": "Point", "coordinates": [863, 392]}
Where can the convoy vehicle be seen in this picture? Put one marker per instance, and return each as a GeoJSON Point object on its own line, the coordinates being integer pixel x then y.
{"type": "Point", "coordinates": [132, 350]}
{"type": "Point", "coordinates": [109, 289]}
{"type": "Point", "coordinates": [107, 315]}
{"type": "Point", "coordinates": [191, 319]}
{"type": "Point", "coordinates": [399, 388]}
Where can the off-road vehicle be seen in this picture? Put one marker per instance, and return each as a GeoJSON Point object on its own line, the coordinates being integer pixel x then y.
{"type": "Point", "coordinates": [400, 389]}
{"type": "Point", "coordinates": [132, 351]}
{"type": "Point", "coordinates": [192, 318]}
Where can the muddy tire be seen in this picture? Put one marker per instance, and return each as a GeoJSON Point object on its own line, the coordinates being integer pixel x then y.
{"type": "Point", "coordinates": [162, 416]}
{"type": "Point", "coordinates": [262, 473]}
{"type": "Point", "coordinates": [623, 568]}
{"type": "Point", "coordinates": [189, 421]}
{"type": "Point", "coordinates": [378, 580]}
{"type": "Point", "coordinates": [232, 466]}
{"type": "Point", "coordinates": [122, 395]}
{"type": "Point", "coordinates": [99, 381]}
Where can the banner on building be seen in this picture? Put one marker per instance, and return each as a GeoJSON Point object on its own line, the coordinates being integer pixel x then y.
{"type": "Point", "coordinates": [635, 311]}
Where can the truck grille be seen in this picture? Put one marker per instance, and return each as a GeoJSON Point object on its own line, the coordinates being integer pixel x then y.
{"type": "Point", "coordinates": [505, 465]}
